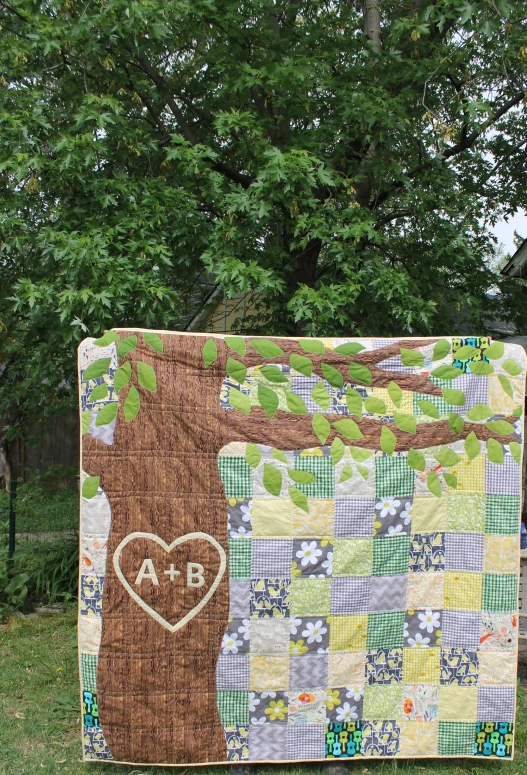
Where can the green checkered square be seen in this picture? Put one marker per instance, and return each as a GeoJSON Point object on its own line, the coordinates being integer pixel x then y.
{"type": "Point", "coordinates": [437, 401]}
{"type": "Point", "coordinates": [390, 555]}
{"type": "Point", "coordinates": [456, 738]}
{"type": "Point", "coordinates": [324, 473]}
{"type": "Point", "coordinates": [233, 707]}
{"type": "Point", "coordinates": [500, 592]}
{"type": "Point", "coordinates": [89, 672]}
{"type": "Point", "coordinates": [393, 477]}
{"type": "Point", "coordinates": [236, 476]}
{"type": "Point", "coordinates": [240, 553]}
{"type": "Point", "coordinates": [502, 514]}
{"type": "Point", "coordinates": [385, 630]}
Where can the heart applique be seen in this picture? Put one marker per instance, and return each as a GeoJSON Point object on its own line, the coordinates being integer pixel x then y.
{"type": "Point", "coordinates": [168, 548]}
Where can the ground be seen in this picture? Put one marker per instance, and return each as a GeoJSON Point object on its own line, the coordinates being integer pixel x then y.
{"type": "Point", "coordinates": [40, 721]}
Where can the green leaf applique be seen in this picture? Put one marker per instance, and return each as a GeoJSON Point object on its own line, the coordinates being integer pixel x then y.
{"type": "Point", "coordinates": [131, 404]}
{"type": "Point", "coordinates": [154, 341]}
{"type": "Point", "coordinates": [272, 479]}
{"type": "Point", "coordinates": [90, 486]}
{"type": "Point", "coordinates": [209, 352]}
{"type": "Point", "coordinates": [97, 369]}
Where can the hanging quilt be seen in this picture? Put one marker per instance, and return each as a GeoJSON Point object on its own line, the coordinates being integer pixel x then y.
{"type": "Point", "coordinates": [298, 549]}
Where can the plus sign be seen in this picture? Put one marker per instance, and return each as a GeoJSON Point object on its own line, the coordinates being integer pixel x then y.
{"type": "Point", "coordinates": [172, 572]}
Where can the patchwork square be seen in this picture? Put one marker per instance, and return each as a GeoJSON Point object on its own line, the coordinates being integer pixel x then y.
{"type": "Point", "coordinates": [312, 558]}
{"type": "Point", "coordinates": [236, 476]}
{"type": "Point", "coordinates": [323, 470]}
{"type": "Point", "coordinates": [310, 597]}
{"type": "Point", "coordinates": [499, 554]}
{"type": "Point", "coordinates": [346, 669]}
{"type": "Point", "coordinates": [350, 595]}
{"type": "Point", "coordinates": [353, 557]}
{"type": "Point", "coordinates": [385, 630]}
{"type": "Point", "coordinates": [504, 479]}
{"type": "Point", "coordinates": [240, 552]}
{"type": "Point", "coordinates": [393, 477]}
{"type": "Point", "coordinates": [500, 592]}
{"type": "Point", "coordinates": [459, 666]}
{"type": "Point", "coordinates": [88, 665]}
{"type": "Point", "coordinates": [465, 513]}
{"type": "Point", "coordinates": [422, 628]}
{"type": "Point", "coordinates": [499, 631]}
{"type": "Point", "coordinates": [268, 707]}
{"type": "Point", "coordinates": [393, 516]}
{"type": "Point", "coordinates": [271, 558]}
{"type": "Point", "coordinates": [348, 633]}
{"type": "Point", "coordinates": [267, 742]}
{"type": "Point", "coordinates": [418, 739]}
{"type": "Point", "coordinates": [382, 701]}
{"type": "Point", "coordinates": [269, 598]}
{"type": "Point", "coordinates": [269, 636]}
{"type": "Point", "coordinates": [381, 738]}
{"type": "Point", "coordinates": [456, 739]}
{"type": "Point", "coordinates": [239, 590]}
{"type": "Point", "coordinates": [354, 517]}
{"type": "Point", "coordinates": [390, 555]}
{"type": "Point", "coordinates": [307, 707]}
{"type": "Point", "coordinates": [502, 514]}
{"type": "Point", "coordinates": [494, 739]}
{"type": "Point", "coordinates": [464, 551]}
{"type": "Point", "coordinates": [309, 671]}
{"type": "Point", "coordinates": [272, 518]}
{"type": "Point", "coordinates": [458, 703]}
{"type": "Point", "coordinates": [461, 629]}
{"type": "Point", "coordinates": [306, 742]}
{"type": "Point", "coordinates": [463, 590]}
{"type": "Point", "coordinates": [269, 673]}
{"type": "Point", "coordinates": [308, 634]}
{"type": "Point", "coordinates": [496, 668]}
{"type": "Point", "coordinates": [233, 707]}
{"type": "Point", "coordinates": [427, 552]}
{"type": "Point", "coordinates": [421, 665]}
{"type": "Point", "coordinates": [429, 515]}
{"type": "Point", "coordinates": [232, 672]}
{"type": "Point", "coordinates": [318, 523]}
{"type": "Point", "coordinates": [425, 591]}
{"type": "Point", "coordinates": [421, 703]}
{"type": "Point", "coordinates": [388, 593]}
{"type": "Point", "coordinates": [384, 666]}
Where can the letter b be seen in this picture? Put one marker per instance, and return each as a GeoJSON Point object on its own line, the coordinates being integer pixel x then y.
{"type": "Point", "coordinates": [195, 577]}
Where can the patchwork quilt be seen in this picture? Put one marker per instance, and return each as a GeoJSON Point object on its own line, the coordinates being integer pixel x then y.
{"type": "Point", "coordinates": [298, 549]}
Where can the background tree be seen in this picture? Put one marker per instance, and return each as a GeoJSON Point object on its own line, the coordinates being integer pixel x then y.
{"type": "Point", "coordinates": [343, 161]}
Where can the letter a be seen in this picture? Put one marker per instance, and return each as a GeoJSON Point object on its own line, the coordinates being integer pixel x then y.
{"type": "Point", "coordinates": [147, 572]}
{"type": "Point", "coordinates": [195, 576]}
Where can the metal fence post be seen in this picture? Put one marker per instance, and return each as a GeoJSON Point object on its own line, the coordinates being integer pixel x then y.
{"type": "Point", "coordinates": [12, 517]}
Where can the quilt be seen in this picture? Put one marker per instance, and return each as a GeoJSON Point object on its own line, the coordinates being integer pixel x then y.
{"type": "Point", "coordinates": [298, 549]}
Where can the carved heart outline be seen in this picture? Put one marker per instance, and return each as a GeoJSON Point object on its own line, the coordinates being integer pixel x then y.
{"type": "Point", "coordinates": [168, 548]}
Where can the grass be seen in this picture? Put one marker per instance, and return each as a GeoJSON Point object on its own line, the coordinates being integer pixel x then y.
{"type": "Point", "coordinates": [48, 503]}
{"type": "Point", "coordinates": [40, 718]}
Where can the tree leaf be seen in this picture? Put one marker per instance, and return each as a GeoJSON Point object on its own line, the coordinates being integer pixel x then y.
{"type": "Point", "coordinates": [236, 343]}
{"type": "Point", "coordinates": [346, 473]}
{"type": "Point", "coordinates": [516, 451]}
{"type": "Point", "coordinates": [433, 484]}
{"type": "Point", "coordinates": [349, 429]}
{"type": "Point", "coordinates": [320, 395]}
{"type": "Point", "coordinates": [252, 455]}
{"type": "Point", "coordinates": [506, 385]}
{"type": "Point", "coordinates": [321, 427]}
{"type": "Point", "coordinates": [360, 373]}
{"type": "Point", "coordinates": [495, 351]}
{"type": "Point", "coordinates": [454, 397]}
{"type": "Point", "coordinates": [272, 479]}
{"type": "Point", "coordinates": [349, 348]}
{"type": "Point", "coordinates": [239, 400]}
{"type": "Point", "coordinates": [441, 350]}
{"type": "Point", "coordinates": [299, 499]}
{"type": "Point", "coordinates": [479, 412]}
{"type": "Point", "coordinates": [266, 348]}
{"type": "Point", "coordinates": [364, 472]}
{"type": "Point", "coordinates": [511, 367]}
{"type": "Point", "coordinates": [97, 369]}
{"type": "Point", "coordinates": [451, 480]}
{"type": "Point", "coordinates": [481, 367]}
{"type": "Point", "coordinates": [446, 372]}
{"type": "Point", "coordinates": [337, 450]}
{"type": "Point", "coordinates": [131, 404]}
{"type": "Point", "coordinates": [268, 400]}
{"type": "Point", "coordinates": [395, 393]}
{"type": "Point", "coordinates": [447, 457]}
{"type": "Point", "coordinates": [472, 446]}
{"type": "Point", "coordinates": [106, 339]}
{"type": "Point", "coordinates": [273, 374]}
{"type": "Point", "coordinates": [122, 376]}
{"type": "Point", "coordinates": [99, 392]}
{"type": "Point", "coordinates": [236, 370]}
{"type": "Point", "coordinates": [388, 440]}
{"type": "Point", "coordinates": [277, 454]}
{"type": "Point", "coordinates": [106, 414]}
{"type": "Point", "coordinates": [411, 357]}
{"type": "Point", "coordinates": [90, 486]}
{"type": "Point", "coordinates": [86, 421]}
{"type": "Point", "coordinates": [146, 376]}
{"type": "Point", "coordinates": [502, 427]}
{"type": "Point", "coordinates": [494, 452]}
{"type": "Point", "coordinates": [301, 477]}
{"type": "Point", "coordinates": [302, 364]}
{"type": "Point", "coordinates": [126, 346]}
{"type": "Point", "coordinates": [416, 460]}
{"type": "Point", "coordinates": [296, 404]}
{"type": "Point", "coordinates": [455, 423]}
{"type": "Point", "coordinates": [354, 401]}
{"type": "Point", "coordinates": [405, 422]}
{"type": "Point", "coordinates": [374, 405]}
{"type": "Point", "coordinates": [466, 352]}
{"type": "Point", "coordinates": [332, 376]}
{"type": "Point", "coordinates": [209, 352]}
{"type": "Point", "coordinates": [428, 408]}
{"type": "Point", "coordinates": [153, 340]}
{"type": "Point", "coordinates": [518, 411]}
{"type": "Point", "coordinates": [359, 455]}
{"type": "Point", "coordinates": [312, 346]}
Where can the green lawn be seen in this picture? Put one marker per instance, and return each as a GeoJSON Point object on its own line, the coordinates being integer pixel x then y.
{"type": "Point", "coordinates": [40, 720]}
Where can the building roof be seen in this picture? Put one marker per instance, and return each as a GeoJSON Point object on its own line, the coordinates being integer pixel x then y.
{"type": "Point", "coordinates": [517, 265]}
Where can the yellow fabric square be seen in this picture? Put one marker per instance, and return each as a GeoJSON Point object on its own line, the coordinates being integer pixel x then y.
{"type": "Point", "coordinates": [320, 521]}
{"type": "Point", "coordinates": [346, 669]}
{"type": "Point", "coordinates": [429, 514]}
{"type": "Point", "coordinates": [353, 557]}
{"type": "Point", "coordinates": [348, 633]}
{"type": "Point", "coordinates": [498, 400]}
{"type": "Point", "coordinates": [421, 665]}
{"type": "Point", "coordinates": [458, 703]}
{"type": "Point", "coordinates": [407, 401]}
{"type": "Point", "coordinates": [501, 554]}
{"type": "Point", "coordinates": [497, 668]}
{"type": "Point", "coordinates": [425, 590]}
{"type": "Point", "coordinates": [269, 673]}
{"type": "Point", "coordinates": [463, 590]}
{"type": "Point", "coordinates": [470, 475]}
{"type": "Point", "coordinates": [418, 738]}
{"type": "Point", "coordinates": [272, 518]}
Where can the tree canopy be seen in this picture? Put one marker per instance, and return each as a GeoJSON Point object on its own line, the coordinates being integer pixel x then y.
{"type": "Point", "coordinates": [343, 161]}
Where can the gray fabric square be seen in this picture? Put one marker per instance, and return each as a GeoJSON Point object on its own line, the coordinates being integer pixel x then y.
{"type": "Point", "coordinates": [388, 593]}
{"type": "Point", "coordinates": [350, 595]}
{"type": "Point", "coordinates": [354, 517]}
{"type": "Point", "coordinates": [312, 558]}
{"type": "Point", "coordinates": [239, 516]}
{"type": "Point", "coordinates": [464, 551]}
{"type": "Point", "coordinates": [496, 703]}
{"type": "Point", "coordinates": [309, 671]}
{"type": "Point", "coordinates": [271, 558]}
{"type": "Point", "coordinates": [422, 628]}
{"type": "Point", "coordinates": [306, 742]}
{"type": "Point", "coordinates": [461, 629]}
{"type": "Point", "coordinates": [261, 706]}
{"type": "Point", "coordinates": [313, 631]}
{"type": "Point", "coordinates": [232, 671]}
{"type": "Point", "coordinates": [236, 639]}
{"type": "Point", "coordinates": [239, 595]}
{"type": "Point", "coordinates": [267, 742]}
{"type": "Point", "coordinates": [503, 479]}
{"type": "Point", "coordinates": [394, 515]}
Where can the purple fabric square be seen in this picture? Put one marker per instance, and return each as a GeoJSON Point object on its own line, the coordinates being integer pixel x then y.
{"type": "Point", "coordinates": [496, 703]}
{"type": "Point", "coordinates": [306, 741]}
{"type": "Point", "coordinates": [464, 551]}
{"type": "Point", "coordinates": [461, 629]}
{"type": "Point", "coordinates": [267, 742]}
{"type": "Point", "coordinates": [503, 479]}
{"type": "Point", "coordinates": [354, 517]}
{"type": "Point", "coordinates": [350, 595]}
